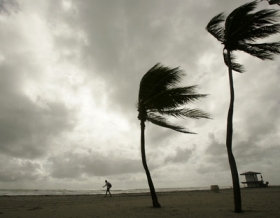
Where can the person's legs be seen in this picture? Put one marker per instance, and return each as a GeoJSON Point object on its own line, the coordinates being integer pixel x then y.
{"type": "Point", "coordinates": [106, 192]}
{"type": "Point", "coordinates": [109, 192]}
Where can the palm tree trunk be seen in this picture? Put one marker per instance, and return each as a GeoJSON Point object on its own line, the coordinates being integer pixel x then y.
{"type": "Point", "coordinates": [144, 162]}
{"type": "Point", "coordinates": [231, 159]}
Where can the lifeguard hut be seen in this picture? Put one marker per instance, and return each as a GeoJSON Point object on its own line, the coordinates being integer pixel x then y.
{"type": "Point", "coordinates": [252, 180]}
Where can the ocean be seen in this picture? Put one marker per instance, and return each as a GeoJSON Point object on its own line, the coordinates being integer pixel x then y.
{"type": "Point", "coordinates": [14, 192]}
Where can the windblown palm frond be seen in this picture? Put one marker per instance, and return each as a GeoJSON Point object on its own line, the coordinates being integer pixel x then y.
{"type": "Point", "coordinates": [272, 2]}
{"type": "Point", "coordinates": [264, 51]}
{"type": "Point", "coordinates": [158, 94]}
{"type": "Point", "coordinates": [214, 27]}
{"type": "Point", "coordinates": [185, 113]}
{"type": "Point", "coordinates": [242, 28]}
{"type": "Point", "coordinates": [158, 79]}
{"type": "Point", "coordinates": [235, 66]}
{"type": "Point", "coordinates": [255, 26]}
{"type": "Point", "coordinates": [238, 19]}
{"type": "Point", "coordinates": [260, 33]}
{"type": "Point", "coordinates": [171, 98]}
{"type": "Point", "coordinates": [161, 121]}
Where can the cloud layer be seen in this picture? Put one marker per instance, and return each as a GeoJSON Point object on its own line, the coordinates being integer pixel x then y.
{"type": "Point", "coordinates": [70, 74]}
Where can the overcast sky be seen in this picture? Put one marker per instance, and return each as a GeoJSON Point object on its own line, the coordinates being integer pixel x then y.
{"type": "Point", "coordinates": [69, 79]}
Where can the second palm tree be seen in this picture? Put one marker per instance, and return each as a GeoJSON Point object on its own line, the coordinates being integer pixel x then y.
{"type": "Point", "coordinates": [241, 29]}
{"type": "Point", "coordinates": [159, 96]}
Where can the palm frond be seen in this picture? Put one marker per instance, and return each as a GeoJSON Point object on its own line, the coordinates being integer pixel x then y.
{"type": "Point", "coordinates": [260, 33]}
{"type": "Point", "coordinates": [257, 25]}
{"type": "Point", "coordinates": [159, 96]}
{"type": "Point", "coordinates": [158, 79]}
{"type": "Point", "coordinates": [234, 65]}
{"type": "Point", "coordinates": [264, 17]}
{"type": "Point", "coordinates": [185, 113]}
{"type": "Point", "coordinates": [236, 20]}
{"type": "Point", "coordinates": [264, 51]}
{"type": "Point", "coordinates": [161, 121]}
{"type": "Point", "coordinates": [214, 27]}
{"type": "Point", "coordinates": [173, 98]}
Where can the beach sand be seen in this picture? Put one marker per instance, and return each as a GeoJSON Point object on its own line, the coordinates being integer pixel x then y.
{"type": "Point", "coordinates": [256, 202]}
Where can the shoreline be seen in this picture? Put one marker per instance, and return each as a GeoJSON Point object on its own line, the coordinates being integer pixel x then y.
{"type": "Point", "coordinates": [256, 202]}
{"type": "Point", "coordinates": [131, 193]}
{"type": "Point", "coordinates": [37, 192]}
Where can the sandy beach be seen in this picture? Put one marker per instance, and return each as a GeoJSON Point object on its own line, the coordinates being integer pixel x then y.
{"type": "Point", "coordinates": [256, 202]}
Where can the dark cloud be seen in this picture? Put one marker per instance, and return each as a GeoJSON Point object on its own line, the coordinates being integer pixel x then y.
{"type": "Point", "coordinates": [8, 6]}
{"type": "Point", "coordinates": [180, 156]}
{"type": "Point", "coordinates": [215, 157]}
{"type": "Point", "coordinates": [26, 131]}
{"type": "Point", "coordinates": [215, 148]}
{"type": "Point", "coordinates": [111, 45]}
{"type": "Point", "coordinates": [26, 126]}
{"type": "Point", "coordinates": [157, 136]}
{"type": "Point", "coordinates": [258, 152]}
{"type": "Point", "coordinates": [121, 35]}
{"type": "Point", "coordinates": [15, 170]}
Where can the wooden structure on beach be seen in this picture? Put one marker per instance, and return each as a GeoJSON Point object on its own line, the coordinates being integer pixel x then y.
{"type": "Point", "coordinates": [252, 180]}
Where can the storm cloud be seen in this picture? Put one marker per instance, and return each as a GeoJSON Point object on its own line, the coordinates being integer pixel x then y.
{"type": "Point", "coordinates": [69, 80]}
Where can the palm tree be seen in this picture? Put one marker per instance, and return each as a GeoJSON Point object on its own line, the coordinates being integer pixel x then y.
{"type": "Point", "coordinates": [159, 96]}
{"type": "Point", "coordinates": [239, 31]}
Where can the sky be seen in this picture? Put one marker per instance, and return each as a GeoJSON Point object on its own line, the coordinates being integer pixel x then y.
{"type": "Point", "coordinates": [69, 80]}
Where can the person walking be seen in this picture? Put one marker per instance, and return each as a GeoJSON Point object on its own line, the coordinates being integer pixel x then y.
{"type": "Point", "coordinates": [109, 185]}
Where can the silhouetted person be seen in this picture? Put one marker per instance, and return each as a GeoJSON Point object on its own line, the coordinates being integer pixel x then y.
{"type": "Point", "coordinates": [109, 185]}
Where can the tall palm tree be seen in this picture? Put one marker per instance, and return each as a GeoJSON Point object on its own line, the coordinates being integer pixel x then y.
{"type": "Point", "coordinates": [159, 96]}
{"type": "Point", "coordinates": [239, 31]}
